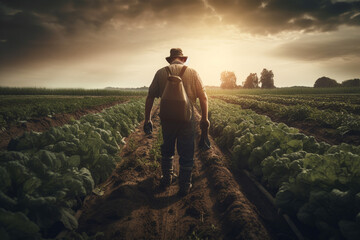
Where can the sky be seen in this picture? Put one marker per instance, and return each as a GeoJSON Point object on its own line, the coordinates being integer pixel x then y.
{"type": "Point", "coordinates": [122, 43]}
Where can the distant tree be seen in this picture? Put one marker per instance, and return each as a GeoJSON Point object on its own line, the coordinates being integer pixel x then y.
{"type": "Point", "coordinates": [252, 81]}
{"type": "Point", "coordinates": [267, 79]}
{"type": "Point", "coordinates": [228, 80]}
{"type": "Point", "coordinates": [325, 82]}
{"type": "Point", "coordinates": [351, 83]}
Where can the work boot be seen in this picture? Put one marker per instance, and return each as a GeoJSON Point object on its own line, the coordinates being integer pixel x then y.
{"type": "Point", "coordinates": [166, 178]}
{"type": "Point", "coordinates": [167, 173]}
{"type": "Point", "coordinates": [184, 181]}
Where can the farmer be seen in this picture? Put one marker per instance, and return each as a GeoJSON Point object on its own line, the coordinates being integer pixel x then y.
{"type": "Point", "coordinates": [181, 133]}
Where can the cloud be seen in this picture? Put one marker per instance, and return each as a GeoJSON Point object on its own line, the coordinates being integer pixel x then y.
{"type": "Point", "coordinates": [255, 16]}
{"type": "Point", "coordinates": [43, 29]}
{"type": "Point", "coordinates": [77, 15]}
{"type": "Point", "coordinates": [274, 16]}
{"type": "Point", "coordinates": [341, 45]}
{"type": "Point", "coordinates": [335, 54]}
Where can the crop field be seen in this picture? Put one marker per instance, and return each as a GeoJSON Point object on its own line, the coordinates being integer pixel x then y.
{"type": "Point", "coordinates": [340, 124]}
{"type": "Point", "coordinates": [94, 175]}
{"type": "Point", "coordinates": [69, 92]}
{"type": "Point", "coordinates": [30, 106]}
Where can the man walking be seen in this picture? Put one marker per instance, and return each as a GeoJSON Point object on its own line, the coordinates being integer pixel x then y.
{"type": "Point", "coordinates": [177, 132]}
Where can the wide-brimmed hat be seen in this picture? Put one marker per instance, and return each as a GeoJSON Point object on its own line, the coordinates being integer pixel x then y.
{"type": "Point", "coordinates": [174, 53]}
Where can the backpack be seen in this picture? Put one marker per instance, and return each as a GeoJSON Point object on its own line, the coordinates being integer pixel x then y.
{"type": "Point", "coordinates": [175, 104]}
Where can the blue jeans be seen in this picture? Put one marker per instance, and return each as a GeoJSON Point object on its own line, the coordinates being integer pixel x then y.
{"type": "Point", "coordinates": [183, 134]}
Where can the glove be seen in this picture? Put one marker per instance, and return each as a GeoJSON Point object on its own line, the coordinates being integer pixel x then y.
{"type": "Point", "coordinates": [148, 127]}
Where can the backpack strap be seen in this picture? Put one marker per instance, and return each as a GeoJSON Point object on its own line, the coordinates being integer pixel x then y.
{"type": "Point", "coordinates": [182, 71]}
{"type": "Point", "coordinates": [168, 70]}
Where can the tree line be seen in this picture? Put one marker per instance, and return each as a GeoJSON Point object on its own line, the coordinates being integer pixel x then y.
{"type": "Point", "coordinates": [228, 80]}
{"type": "Point", "coordinates": [325, 82]}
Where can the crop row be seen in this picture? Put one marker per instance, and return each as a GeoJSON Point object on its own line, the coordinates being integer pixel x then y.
{"type": "Point", "coordinates": [324, 97]}
{"type": "Point", "coordinates": [72, 91]}
{"type": "Point", "coordinates": [337, 106]}
{"type": "Point", "coordinates": [342, 122]}
{"type": "Point", "coordinates": [45, 176]}
{"type": "Point", "coordinates": [28, 107]}
{"type": "Point", "coordinates": [314, 181]}
{"type": "Point", "coordinates": [338, 92]}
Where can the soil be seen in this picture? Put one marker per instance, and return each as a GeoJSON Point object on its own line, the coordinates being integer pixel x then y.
{"type": "Point", "coordinates": [42, 124]}
{"type": "Point", "coordinates": [311, 128]}
{"type": "Point", "coordinates": [217, 207]}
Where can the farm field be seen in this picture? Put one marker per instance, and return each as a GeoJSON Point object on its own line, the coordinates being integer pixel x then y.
{"type": "Point", "coordinates": [334, 126]}
{"type": "Point", "coordinates": [314, 181]}
{"type": "Point", "coordinates": [95, 176]}
{"type": "Point", "coordinates": [347, 104]}
{"type": "Point", "coordinates": [69, 92]}
{"type": "Point", "coordinates": [24, 109]}
{"type": "Point", "coordinates": [302, 92]}
{"type": "Point", "coordinates": [34, 106]}
{"type": "Point", "coordinates": [40, 102]}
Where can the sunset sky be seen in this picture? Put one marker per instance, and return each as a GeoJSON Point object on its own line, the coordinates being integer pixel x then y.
{"type": "Point", "coordinates": [122, 43]}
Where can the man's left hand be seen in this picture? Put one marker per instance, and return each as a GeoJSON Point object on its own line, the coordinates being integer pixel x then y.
{"type": "Point", "coordinates": [204, 124]}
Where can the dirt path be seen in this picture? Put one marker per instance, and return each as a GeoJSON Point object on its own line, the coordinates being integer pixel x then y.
{"type": "Point", "coordinates": [41, 124]}
{"type": "Point", "coordinates": [133, 208]}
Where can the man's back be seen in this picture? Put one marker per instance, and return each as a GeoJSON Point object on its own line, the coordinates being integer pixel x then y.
{"type": "Point", "coordinates": [191, 80]}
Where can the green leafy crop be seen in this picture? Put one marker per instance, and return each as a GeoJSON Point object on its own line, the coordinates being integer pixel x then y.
{"type": "Point", "coordinates": [45, 176]}
{"type": "Point", "coordinates": [317, 182]}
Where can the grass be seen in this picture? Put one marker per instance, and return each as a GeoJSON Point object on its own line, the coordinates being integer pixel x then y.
{"type": "Point", "coordinates": [155, 151]}
{"type": "Point", "coordinates": [207, 233]}
{"type": "Point", "coordinates": [132, 145]}
{"type": "Point", "coordinates": [153, 161]}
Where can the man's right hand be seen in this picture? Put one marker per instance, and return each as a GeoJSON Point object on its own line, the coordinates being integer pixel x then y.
{"type": "Point", "coordinates": [148, 127]}
{"type": "Point", "coordinates": [148, 124]}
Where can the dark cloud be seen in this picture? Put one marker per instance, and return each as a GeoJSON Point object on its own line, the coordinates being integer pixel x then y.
{"type": "Point", "coordinates": [21, 31]}
{"type": "Point", "coordinates": [76, 14]}
{"type": "Point", "coordinates": [274, 16]}
{"type": "Point", "coordinates": [39, 28]}
{"type": "Point", "coordinates": [43, 27]}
